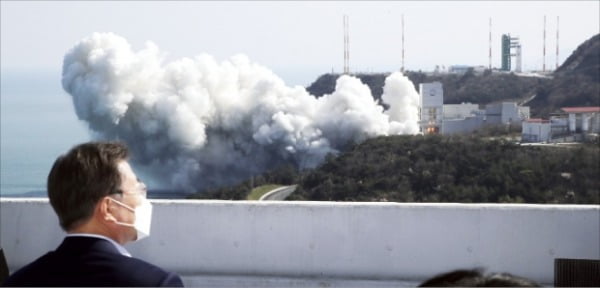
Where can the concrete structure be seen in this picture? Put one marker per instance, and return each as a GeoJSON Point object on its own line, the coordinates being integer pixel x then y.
{"type": "Point", "coordinates": [329, 244]}
{"type": "Point", "coordinates": [559, 126]}
{"type": "Point", "coordinates": [462, 118]}
{"type": "Point", "coordinates": [536, 130]}
{"type": "Point", "coordinates": [460, 111]}
{"type": "Point", "coordinates": [464, 125]}
{"type": "Point", "coordinates": [431, 107]}
{"type": "Point", "coordinates": [583, 119]}
{"type": "Point", "coordinates": [462, 69]}
{"type": "Point", "coordinates": [435, 117]}
{"type": "Point", "coordinates": [524, 112]}
{"type": "Point", "coordinates": [467, 117]}
{"type": "Point", "coordinates": [459, 69]}
{"type": "Point", "coordinates": [576, 124]}
{"type": "Point", "coordinates": [505, 113]}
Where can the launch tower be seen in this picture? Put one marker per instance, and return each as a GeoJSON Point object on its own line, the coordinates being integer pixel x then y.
{"type": "Point", "coordinates": [508, 44]}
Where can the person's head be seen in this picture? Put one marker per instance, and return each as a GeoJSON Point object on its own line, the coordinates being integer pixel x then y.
{"type": "Point", "coordinates": [475, 278]}
{"type": "Point", "coordinates": [92, 188]}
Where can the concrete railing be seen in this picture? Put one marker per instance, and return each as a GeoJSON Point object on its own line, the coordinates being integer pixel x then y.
{"type": "Point", "coordinates": [369, 241]}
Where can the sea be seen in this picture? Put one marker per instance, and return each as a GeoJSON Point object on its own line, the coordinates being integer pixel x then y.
{"type": "Point", "coordinates": [37, 124]}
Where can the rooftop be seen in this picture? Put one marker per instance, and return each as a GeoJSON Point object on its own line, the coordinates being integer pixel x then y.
{"type": "Point", "coordinates": [537, 120]}
{"type": "Point", "coordinates": [590, 109]}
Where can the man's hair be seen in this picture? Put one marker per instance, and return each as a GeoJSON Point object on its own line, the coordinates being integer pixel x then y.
{"type": "Point", "coordinates": [475, 278]}
{"type": "Point", "coordinates": [80, 178]}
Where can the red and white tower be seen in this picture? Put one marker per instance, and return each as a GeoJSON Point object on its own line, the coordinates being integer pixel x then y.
{"type": "Point", "coordinates": [490, 48]}
{"type": "Point", "coordinates": [556, 42]}
{"type": "Point", "coordinates": [346, 45]}
{"type": "Point", "coordinates": [402, 68]}
{"type": "Point", "coordinates": [544, 53]}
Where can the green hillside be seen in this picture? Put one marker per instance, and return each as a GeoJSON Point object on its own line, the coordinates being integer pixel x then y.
{"type": "Point", "coordinates": [455, 169]}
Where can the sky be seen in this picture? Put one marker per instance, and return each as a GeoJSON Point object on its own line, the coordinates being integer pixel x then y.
{"type": "Point", "coordinates": [300, 40]}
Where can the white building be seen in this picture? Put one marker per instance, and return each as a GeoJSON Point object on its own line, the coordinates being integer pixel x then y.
{"type": "Point", "coordinates": [578, 122]}
{"type": "Point", "coordinates": [459, 69]}
{"type": "Point", "coordinates": [524, 112]}
{"type": "Point", "coordinates": [559, 126]}
{"type": "Point", "coordinates": [435, 117]}
{"type": "Point", "coordinates": [506, 113]}
{"type": "Point", "coordinates": [462, 118]}
{"type": "Point", "coordinates": [583, 119]}
{"type": "Point", "coordinates": [462, 69]}
{"type": "Point", "coordinates": [536, 130]}
{"type": "Point", "coordinates": [464, 125]}
{"type": "Point", "coordinates": [460, 111]}
{"type": "Point", "coordinates": [431, 107]}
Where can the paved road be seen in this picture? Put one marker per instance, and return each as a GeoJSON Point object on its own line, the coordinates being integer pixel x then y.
{"type": "Point", "coordinates": [278, 194]}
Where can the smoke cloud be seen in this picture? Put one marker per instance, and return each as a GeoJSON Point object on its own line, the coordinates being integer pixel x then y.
{"type": "Point", "coordinates": [195, 122]}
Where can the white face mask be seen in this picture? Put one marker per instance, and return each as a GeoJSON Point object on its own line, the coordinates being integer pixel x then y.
{"type": "Point", "coordinates": [143, 218]}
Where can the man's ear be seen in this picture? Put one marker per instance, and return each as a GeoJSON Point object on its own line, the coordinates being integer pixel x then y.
{"type": "Point", "coordinates": [103, 210]}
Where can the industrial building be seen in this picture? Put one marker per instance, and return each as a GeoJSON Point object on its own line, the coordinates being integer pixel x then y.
{"type": "Point", "coordinates": [573, 124]}
{"type": "Point", "coordinates": [506, 113]}
{"type": "Point", "coordinates": [462, 118]}
{"type": "Point", "coordinates": [431, 107]}
{"type": "Point", "coordinates": [437, 118]}
{"type": "Point", "coordinates": [462, 69]}
{"type": "Point", "coordinates": [536, 130]}
{"type": "Point", "coordinates": [583, 119]}
{"type": "Point", "coordinates": [464, 110]}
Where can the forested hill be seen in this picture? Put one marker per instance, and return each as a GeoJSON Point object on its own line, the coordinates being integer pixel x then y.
{"type": "Point", "coordinates": [575, 83]}
{"type": "Point", "coordinates": [434, 168]}
{"type": "Point", "coordinates": [584, 61]}
{"type": "Point", "coordinates": [455, 169]}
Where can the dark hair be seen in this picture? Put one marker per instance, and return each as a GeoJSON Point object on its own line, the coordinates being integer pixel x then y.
{"type": "Point", "coordinates": [80, 178]}
{"type": "Point", "coordinates": [475, 278]}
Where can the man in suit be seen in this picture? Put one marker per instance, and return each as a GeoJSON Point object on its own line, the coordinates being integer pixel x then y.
{"type": "Point", "coordinates": [101, 205]}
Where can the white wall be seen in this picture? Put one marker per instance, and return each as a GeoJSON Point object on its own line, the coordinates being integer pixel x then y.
{"type": "Point", "coordinates": [461, 111]}
{"type": "Point", "coordinates": [524, 112]}
{"type": "Point", "coordinates": [329, 239]}
{"type": "Point", "coordinates": [466, 125]}
{"type": "Point", "coordinates": [535, 132]}
{"type": "Point", "coordinates": [503, 113]}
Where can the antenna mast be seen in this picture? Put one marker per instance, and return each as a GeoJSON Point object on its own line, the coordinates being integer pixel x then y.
{"type": "Point", "coordinates": [402, 68]}
{"type": "Point", "coordinates": [490, 44]}
{"type": "Point", "coordinates": [544, 55]}
{"type": "Point", "coordinates": [346, 44]}
{"type": "Point", "coordinates": [556, 42]}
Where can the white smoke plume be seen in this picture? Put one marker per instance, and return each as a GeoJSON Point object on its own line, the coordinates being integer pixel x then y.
{"type": "Point", "coordinates": [196, 123]}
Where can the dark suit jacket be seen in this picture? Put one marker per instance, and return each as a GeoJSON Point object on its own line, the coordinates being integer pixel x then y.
{"type": "Point", "coordinates": [88, 261]}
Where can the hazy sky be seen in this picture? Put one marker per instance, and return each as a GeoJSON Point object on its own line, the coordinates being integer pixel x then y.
{"type": "Point", "coordinates": [300, 40]}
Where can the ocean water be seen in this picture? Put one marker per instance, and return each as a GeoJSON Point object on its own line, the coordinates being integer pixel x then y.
{"type": "Point", "coordinates": [37, 124]}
